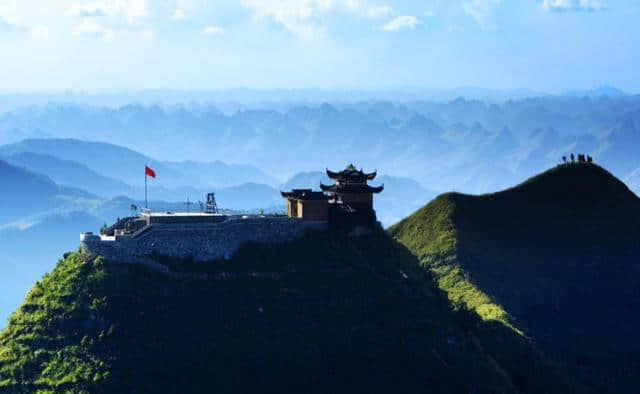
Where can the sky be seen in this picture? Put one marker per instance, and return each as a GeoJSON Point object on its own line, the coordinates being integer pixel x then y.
{"type": "Point", "coordinates": [545, 45]}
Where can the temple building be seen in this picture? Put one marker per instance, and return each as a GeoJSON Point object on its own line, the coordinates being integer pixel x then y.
{"type": "Point", "coordinates": [346, 205]}
{"type": "Point", "coordinates": [306, 204]}
{"type": "Point", "coordinates": [351, 199]}
{"type": "Point", "coordinates": [351, 188]}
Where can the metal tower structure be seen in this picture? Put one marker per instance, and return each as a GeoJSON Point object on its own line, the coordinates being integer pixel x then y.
{"type": "Point", "coordinates": [211, 206]}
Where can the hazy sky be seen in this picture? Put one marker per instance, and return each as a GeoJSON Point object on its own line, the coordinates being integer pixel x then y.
{"type": "Point", "coordinates": [334, 44]}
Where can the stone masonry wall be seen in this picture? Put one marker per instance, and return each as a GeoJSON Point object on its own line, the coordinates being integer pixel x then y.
{"type": "Point", "coordinates": [200, 242]}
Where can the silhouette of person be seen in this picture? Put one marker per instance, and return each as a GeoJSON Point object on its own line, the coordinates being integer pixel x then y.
{"type": "Point", "coordinates": [572, 158]}
{"type": "Point", "coordinates": [564, 159]}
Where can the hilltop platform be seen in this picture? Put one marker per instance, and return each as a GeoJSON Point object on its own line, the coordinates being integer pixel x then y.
{"type": "Point", "coordinates": [170, 217]}
{"type": "Point", "coordinates": [197, 236]}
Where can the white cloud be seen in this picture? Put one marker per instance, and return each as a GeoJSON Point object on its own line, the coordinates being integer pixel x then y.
{"type": "Point", "coordinates": [212, 30]}
{"type": "Point", "coordinates": [99, 19]}
{"type": "Point", "coordinates": [401, 22]}
{"type": "Point", "coordinates": [131, 10]}
{"type": "Point", "coordinates": [379, 12]}
{"type": "Point", "coordinates": [297, 16]}
{"type": "Point", "coordinates": [91, 28]}
{"type": "Point", "coordinates": [87, 10]}
{"type": "Point", "coordinates": [573, 5]}
{"type": "Point", "coordinates": [481, 11]}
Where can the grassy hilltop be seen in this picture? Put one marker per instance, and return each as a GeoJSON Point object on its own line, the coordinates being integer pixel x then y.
{"type": "Point", "coordinates": [556, 258]}
{"type": "Point", "coordinates": [317, 315]}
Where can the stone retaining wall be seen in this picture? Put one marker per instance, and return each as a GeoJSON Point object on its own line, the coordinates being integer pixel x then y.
{"type": "Point", "coordinates": [200, 242]}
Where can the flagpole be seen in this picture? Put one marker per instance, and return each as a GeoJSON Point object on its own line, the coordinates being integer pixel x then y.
{"type": "Point", "coordinates": [145, 186]}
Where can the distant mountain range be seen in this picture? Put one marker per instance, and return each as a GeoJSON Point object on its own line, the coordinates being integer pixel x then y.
{"type": "Point", "coordinates": [462, 144]}
{"type": "Point", "coordinates": [230, 100]}
{"type": "Point", "coordinates": [86, 165]}
{"type": "Point", "coordinates": [69, 173]}
{"type": "Point", "coordinates": [602, 91]}
{"type": "Point", "coordinates": [123, 164]}
{"type": "Point", "coordinates": [25, 192]}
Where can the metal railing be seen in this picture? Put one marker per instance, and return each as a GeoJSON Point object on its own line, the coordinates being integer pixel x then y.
{"type": "Point", "coordinates": [171, 208]}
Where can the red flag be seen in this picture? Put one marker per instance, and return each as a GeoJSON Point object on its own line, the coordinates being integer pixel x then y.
{"type": "Point", "coordinates": [148, 171]}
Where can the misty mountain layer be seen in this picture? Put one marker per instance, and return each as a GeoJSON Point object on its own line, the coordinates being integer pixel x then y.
{"type": "Point", "coordinates": [465, 145]}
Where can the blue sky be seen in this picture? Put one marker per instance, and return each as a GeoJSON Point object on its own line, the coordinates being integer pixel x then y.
{"type": "Point", "coordinates": [549, 45]}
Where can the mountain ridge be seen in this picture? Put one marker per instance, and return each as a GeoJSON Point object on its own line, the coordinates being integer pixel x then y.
{"type": "Point", "coordinates": [554, 258]}
{"type": "Point", "coordinates": [27, 192]}
{"type": "Point", "coordinates": [121, 163]}
{"type": "Point", "coordinates": [69, 173]}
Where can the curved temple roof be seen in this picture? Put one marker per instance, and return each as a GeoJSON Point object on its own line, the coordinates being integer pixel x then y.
{"type": "Point", "coordinates": [351, 174]}
{"type": "Point", "coordinates": [351, 188]}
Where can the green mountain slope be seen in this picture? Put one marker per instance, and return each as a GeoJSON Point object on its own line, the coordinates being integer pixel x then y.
{"type": "Point", "coordinates": [316, 315]}
{"type": "Point", "coordinates": [555, 258]}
